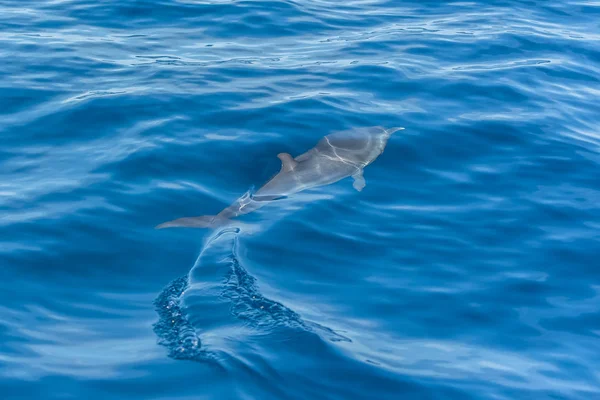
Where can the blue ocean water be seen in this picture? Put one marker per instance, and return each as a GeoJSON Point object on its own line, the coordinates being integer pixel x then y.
{"type": "Point", "coordinates": [466, 269]}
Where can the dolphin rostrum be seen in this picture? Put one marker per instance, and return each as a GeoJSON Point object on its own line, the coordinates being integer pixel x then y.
{"type": "Point", "coordinates": [335, 157]}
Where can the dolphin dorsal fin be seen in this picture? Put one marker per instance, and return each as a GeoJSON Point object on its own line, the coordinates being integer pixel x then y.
{"type": "Point", "coordinates": [287, 162]}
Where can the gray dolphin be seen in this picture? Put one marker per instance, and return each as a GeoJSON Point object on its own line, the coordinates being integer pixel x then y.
{"type": "Point", "coordinates": [336, 156]}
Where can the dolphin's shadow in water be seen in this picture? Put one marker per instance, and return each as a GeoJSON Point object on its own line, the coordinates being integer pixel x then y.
{"type": "Point", "coordinates": [220, 296]}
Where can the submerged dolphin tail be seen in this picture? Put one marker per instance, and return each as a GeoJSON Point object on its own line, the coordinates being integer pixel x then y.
{"type": "Point", "coordinates": [205, 221]}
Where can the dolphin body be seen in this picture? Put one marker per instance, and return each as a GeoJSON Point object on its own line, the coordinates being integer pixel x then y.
{"type": "Point", "coordinates": [335, 157]}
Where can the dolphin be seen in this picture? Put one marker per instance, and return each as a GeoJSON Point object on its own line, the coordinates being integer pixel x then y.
{"type": "Point", "coordinates": [335, 157]}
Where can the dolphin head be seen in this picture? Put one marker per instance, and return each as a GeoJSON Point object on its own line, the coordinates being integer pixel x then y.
{"type": "Point", "coordinates": [391, 131]}
{"type": "Point", "coordinates": [384, 135]}
{"type": "Point", "coordinates": [360, 146]}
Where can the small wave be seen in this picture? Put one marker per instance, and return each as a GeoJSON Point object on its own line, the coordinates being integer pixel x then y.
{"type": "Point", "coordinates": [173, 329]}
{"type": "Point", "coordinates": [503, 65]}
{"type": "Point", "coordinates": [99, 93]}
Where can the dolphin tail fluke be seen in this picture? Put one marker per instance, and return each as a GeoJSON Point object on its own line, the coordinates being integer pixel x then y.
{"type": "Point", "coordinates": [205, 221]}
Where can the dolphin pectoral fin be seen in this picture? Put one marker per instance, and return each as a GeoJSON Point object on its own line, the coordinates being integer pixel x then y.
{"type": "Point", "coordinates": [205, 221]}
{"type": "Point", "coordinates": [359, 180]}
{"type": "Point", "coordinates": [287, 162]}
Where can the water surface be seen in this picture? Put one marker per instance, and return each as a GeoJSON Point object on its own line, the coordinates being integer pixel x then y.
{"type": "Point", "coordinates": [466, 269]}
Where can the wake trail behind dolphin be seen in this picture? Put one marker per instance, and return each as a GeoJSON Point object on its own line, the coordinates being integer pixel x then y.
{"type": "Point", "coordinates": [210, 313]}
